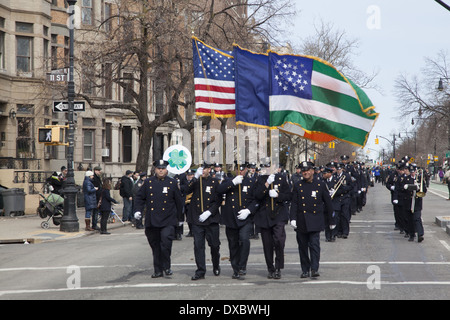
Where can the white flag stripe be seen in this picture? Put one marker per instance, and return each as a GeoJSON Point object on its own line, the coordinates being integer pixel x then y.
{"type": "Point", "coordinates": [319, 109]}
{"type": "Point", "coordinates": [214, 94]}
{"type": "Point", "coordinates": [322, 80]}
{"type": "Point", "coordinates": [215, 106]}
{"type": "Point", "coordinates": [218, 83]}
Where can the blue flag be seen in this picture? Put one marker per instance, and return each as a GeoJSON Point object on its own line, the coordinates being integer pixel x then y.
{"type": "Point", "coordinates": [252, 88]}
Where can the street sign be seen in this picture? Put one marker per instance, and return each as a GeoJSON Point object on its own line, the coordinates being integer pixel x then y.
{"type": "Point", "coordinates": [63, 106]}
{"type": "Point", "coordinates": [58, 75]}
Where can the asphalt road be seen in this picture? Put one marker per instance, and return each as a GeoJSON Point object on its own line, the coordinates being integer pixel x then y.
{"type": "Point", "coordinates": [375, 262]}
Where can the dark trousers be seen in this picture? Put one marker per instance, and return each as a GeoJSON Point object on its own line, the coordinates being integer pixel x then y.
{"type": "Point", "coordinates": [418, 223]}
{"type": "Point", "coordinates": [273, 240]}
{"type": "Point", "coordinates": [309, 250]}
{"type": "Point", "coordinates": [160, 240]}
{"type": "Point", "coordinates": [343, 217]}
{"type": "Point", "coordinates": [210, 233]}
{"type": "Point", "coordinates": [239, 246]}
{"type": "Point", "coordinates": [104, 220]}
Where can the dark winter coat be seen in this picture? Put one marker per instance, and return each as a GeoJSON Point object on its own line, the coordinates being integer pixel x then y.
{"type": "Point", "coordinates": [106, 200]}
{"type": "Point", "coordinates": [90, 199]}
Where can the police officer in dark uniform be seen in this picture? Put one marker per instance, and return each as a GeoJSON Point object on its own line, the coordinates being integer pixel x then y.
{"type": "Point", "coordinates": [342, 200]}
{"type": "Point", "coordinates": [203, 214]}
{"type": "Point", "coordinates": [273, 193]}
{"type": "Point", "coordinates": [406, 194]}
{"type": "Point", "coordinates": [161, 200]}
{"type": "Point", "coordinates": [311, 201]}
{"type": "Point", "coordinates": [237, 216]}
{"type": "Point", "coordinates": [329, 180]}
{"type": "Point", "coordinates": [390, 185]}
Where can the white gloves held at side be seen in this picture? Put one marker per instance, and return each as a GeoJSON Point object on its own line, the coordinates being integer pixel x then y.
{"type": "Point", "coordinates": [243, 214]}
{"type": "Point", "coordinates": [205, 215]}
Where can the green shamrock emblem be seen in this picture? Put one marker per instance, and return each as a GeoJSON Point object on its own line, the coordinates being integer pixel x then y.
{"type": "Point", "coordinates": [177, 159]}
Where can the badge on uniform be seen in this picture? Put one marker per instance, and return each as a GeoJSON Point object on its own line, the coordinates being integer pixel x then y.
{"type": "Point", "coordinates": [164, 190]}
{"type": "Point", "coordinates": [208, 189]}
{"type": "Point", "coordinates": [244, 189]}
{"type": "Point", "coordinates": [314, 194]}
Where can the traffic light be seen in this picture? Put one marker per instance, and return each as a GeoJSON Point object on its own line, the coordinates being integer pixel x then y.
{"type": "Point", "coordinates": [52, 135]}
{"type": "Point", "coordinates": [377, 141]}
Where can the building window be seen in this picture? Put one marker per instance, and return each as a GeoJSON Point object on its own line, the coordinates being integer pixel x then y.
{"type": "Point", "coordinates": [24, 49]}
{"type": "Point", "coordinates": [2, 50]}
{"type": "Point", "coordinates": [86, 12]}
{"type": "Point", "coordinates": [88, 144]}
{"type": "Point", "coordinates": [127, 145]}
{"type": "Point", "coordinates": [25, 142]}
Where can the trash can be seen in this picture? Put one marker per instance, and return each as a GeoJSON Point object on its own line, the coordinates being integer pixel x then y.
{"type": "Point", "coordinates": [13, 202]}
{"type": "Point", "coordinates": [2, 213]}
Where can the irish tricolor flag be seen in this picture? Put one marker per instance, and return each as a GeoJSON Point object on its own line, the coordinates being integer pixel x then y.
{"type": "Point", "coordinates": [309, 97]}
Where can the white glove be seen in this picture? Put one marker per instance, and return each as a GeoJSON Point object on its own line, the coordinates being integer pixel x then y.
{"type": "Point", "coordinates": [271, 179]}
{"type": "Point", "coordinates": [238, 180]}
{"type": "Point", "coordinates": [405, 187]}
{"type": "Point", "coordinates": [294, 224]}
{"type": "Point", "coordinates": [138, 215]}
{"type": "Point", "coordinates": [198, 173]}
{"type": "Point", "coordinates": [273, 193]}
{"type": "Point", "coordinates": [392, 188]}
{"type": "Point", "coordinates": [395, 201]}
{"type": "Point", "coordinates": [180, 223]}
{"type": "Point", "coordinates": [205, 215]}
{"type": "Point", "coordinates": [243, 214]}
{"type": "Point", "coordinates": [331, 192]}
{"type": "Point", "coordinates": [332, 226]}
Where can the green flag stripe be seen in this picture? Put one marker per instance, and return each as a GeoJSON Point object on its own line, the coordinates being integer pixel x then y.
{"type": "Point", "coordinates": [328, 70]}
{"type": "Point", "coordinates": [338, 100]}
{"type": "Point", "coordinates": [309, 122]}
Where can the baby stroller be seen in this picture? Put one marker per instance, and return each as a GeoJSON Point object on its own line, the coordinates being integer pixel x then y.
{"type": "Point", "coordinates": [51, 207]}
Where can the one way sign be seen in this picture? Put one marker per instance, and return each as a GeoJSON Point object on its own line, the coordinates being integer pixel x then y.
{"type": "Point", "coordinates": [63, 106]}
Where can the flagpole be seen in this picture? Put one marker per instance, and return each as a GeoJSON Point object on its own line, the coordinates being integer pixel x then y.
{"type": "Point", "coordinates": [199, 148]}
{"type": "Point", "coordinates": [238, 161]}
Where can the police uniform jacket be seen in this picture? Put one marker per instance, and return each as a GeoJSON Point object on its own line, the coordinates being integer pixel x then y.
{"type": "Point", "coordinates": [162, 199]}
{"type": "Point", "coordinates": [230, 210]}
{"type": "Point", "coordinates": [211, 200]}
{"type": "Point", "coordinates": [311, 201]}
{"type": "Point", "coordinates": [345, 189]}
{"type": "Point", "coordinates": [265, 217]}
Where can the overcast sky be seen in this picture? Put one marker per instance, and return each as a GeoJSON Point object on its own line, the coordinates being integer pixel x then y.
{"type": "Point", "coordinates": [394, 36]}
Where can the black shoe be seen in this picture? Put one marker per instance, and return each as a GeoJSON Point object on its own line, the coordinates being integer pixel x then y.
{"type": "Point", "coordinates": [105, 232]}
{"type": "Point", "coordinates": [237, 276]}
{"type": "Point", "coordinates": [420, 239]}
{"type": "Point", "coordinates": [157, 275]}
{"type": "Point", "coordinates": [242, 272]}
{"type": "Point", "coordinates": [411, 239]}
{"type": "Point", "coordinates": [270, 275]}
{"type": "Point", "coordinates": [168, 272]}
{"type": "Point", "coordinates": [196, 277]}
{"type": "Point", "coordinates": [304, 275]}
{"type": "Point", "coordinates": [216, 271]}
{"type": "Point", "coordinates": [277, 274]}
{"type": "Point", "coordinates": [314, 274]}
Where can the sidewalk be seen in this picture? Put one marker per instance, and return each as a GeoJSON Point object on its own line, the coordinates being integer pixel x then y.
{"type": "Point", "coordinates": [27, 228]}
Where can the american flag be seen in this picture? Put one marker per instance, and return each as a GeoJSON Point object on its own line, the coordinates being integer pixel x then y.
{"type": "Point", "coordinates": [214, 81]}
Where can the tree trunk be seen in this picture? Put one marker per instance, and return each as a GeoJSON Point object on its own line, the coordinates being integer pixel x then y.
{"type": "Point", "coordinates": [146, 138]}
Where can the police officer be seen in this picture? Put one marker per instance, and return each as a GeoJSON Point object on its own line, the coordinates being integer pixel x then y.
{"type": "Point", "coordinates": [406, 194]}
{"type": "Point", "coordinates": [203, 214]}
{"type": "Point", "coordinates": [161, 200]}
{"type": "Point", "coordinates": [419, 182]}
{"type": "Point", "coordinates": [390, 185]}
{"type": "Point", "coordinates": [273, 193]}
{"type": "Point", "coordinates": [311, 201]}
{"type": "Point", "coordinates": [329, 180]}
{"type": "Point", "coordinates": [237, 216]}
{"type": "Point", "coordinates": [342, 200]}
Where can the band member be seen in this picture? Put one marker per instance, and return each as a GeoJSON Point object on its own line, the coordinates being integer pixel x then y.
{"type": "Point", "coordinates": [311, 201]}
{"type": "Point", "coordinates": [390, 185]}
{"type": "Point", "coordinates": [328, 179]}
{"type": "Point", "coordinates": [342, 201]}
{"type": "Point", "coordinates": [273, 193]}
{"type": "Point", "coordinates": [421, 183]}
{"type": "Point", "coordinates": [161, 200]}
{"type": "Point", "coordinates": [203, 214]}
{"type": "Point", "coordinates": [237, 216]}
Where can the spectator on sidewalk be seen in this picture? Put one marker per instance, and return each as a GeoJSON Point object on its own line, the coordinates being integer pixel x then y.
{"type": "Point", "coordinates": [90, 199]}
{"type": "Point", "coordinates": [126, 192]}
{"type": "Point", "coordinates": [105, 205]}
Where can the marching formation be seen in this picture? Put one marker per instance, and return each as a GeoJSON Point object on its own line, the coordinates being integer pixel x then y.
{"type": "Point", "coordinates": [255, 201]}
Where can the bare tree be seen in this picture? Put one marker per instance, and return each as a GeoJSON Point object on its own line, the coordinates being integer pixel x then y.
{"type": "Point", "coordinates": [151, 41]}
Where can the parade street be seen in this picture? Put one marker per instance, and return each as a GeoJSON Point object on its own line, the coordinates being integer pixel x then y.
{"type": "Point", "coordinates": [375, 262]}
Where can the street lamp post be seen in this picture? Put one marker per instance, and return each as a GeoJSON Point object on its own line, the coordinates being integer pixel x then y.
{"type": "Point", "coordinates": [69, 221]}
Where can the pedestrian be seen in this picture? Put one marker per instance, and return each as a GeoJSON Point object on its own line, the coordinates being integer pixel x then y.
{"type": "Point", "coordinates": [237, 216]}
{"type": "Point", "coordinates": [90, 198]}
{"type": "Point", "coordinates": [97, 181]}
{"type": "Point", "coordinates": [273, 193]}
{"type": "Point", "coordinates": [203, 214]}
{"type": "Point", "coordinates": [126, 192]}
{"type": "Point", "coordinates": [447, 180]}
{"type": "Point", "coordinates": [311, 201]}
{"type": "Point", "coordinates": [105, 205]}
{"type": "Point", "coordinates": [160, 200]}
